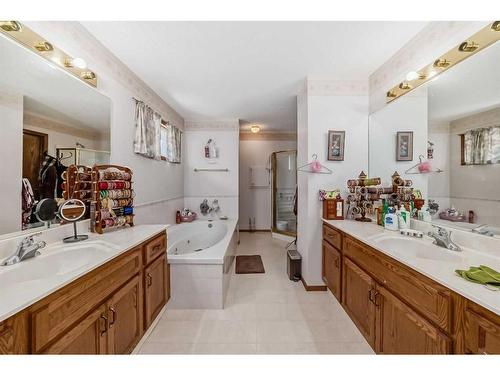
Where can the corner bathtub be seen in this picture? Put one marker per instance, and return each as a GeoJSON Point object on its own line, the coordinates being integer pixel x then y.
{"type": "Point", "coordinates": [201, 256]}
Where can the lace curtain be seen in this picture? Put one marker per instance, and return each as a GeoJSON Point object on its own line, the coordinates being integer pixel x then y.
{"type": "Point", "coordinates": [173, 144]}
{"type": "Point", "coordinates": [482, 146]}
{"type": "Point", "coordinates": [147, 131]}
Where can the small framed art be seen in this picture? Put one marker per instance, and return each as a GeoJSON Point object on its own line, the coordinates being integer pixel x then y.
{"type": "Point", "coordinates": [404, 146]}
{"type": "Point", "coordinates": [336, 144]}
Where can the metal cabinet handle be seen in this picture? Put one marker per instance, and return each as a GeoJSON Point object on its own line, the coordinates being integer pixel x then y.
{"type": "Point", "coordinates": [113, 315]}
{"type": "Point", "coordinates": [150, 279]}
{"type": "Point", "coordinates": [336, 263]}
{"type": "Point", "coordinates": [370, 295]}
{"type": "Point", "coordinates": [105, 319]}
{"type": "Point", "coordinates": [376, 299]}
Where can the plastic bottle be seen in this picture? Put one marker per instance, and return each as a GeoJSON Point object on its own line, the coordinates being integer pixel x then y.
{"type": "Point", "coordinates": [403, 218]}
{"type": "Point", "coordinates": [391, 220]}
{"type": "Point", "coordinates": [385, 209]}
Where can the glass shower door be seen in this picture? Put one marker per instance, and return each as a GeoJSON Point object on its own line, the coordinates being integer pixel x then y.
{"type": "Point", "coordinates": [284, 168]}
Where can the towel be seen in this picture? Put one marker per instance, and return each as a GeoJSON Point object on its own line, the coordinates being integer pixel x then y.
{"type": "Point", "coordinates": [481, 275]}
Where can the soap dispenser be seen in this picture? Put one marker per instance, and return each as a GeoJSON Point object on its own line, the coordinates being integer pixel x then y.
{"type": "Point", "coordinates": [391, 220]}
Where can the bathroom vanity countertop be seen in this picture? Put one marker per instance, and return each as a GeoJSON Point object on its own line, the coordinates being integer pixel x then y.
{"type": "Point", "coordinates": [27, 282]}
{"type": "Point", "coordinates": [441, 271]}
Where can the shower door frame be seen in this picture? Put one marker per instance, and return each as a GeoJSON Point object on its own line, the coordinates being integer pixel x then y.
{"type": "Point", "coordinates": [274, 190]}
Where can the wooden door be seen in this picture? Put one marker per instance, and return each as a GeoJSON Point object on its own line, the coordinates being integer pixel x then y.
{"type": "Point", "coordinates": [34, 147]}
{"type": "Point", "coordinates": [401, 330]}
{"type": "Point", "coordinates": [90, 336]}
{"type": "Point", "coordinates": [332, 269]}
{"type": "Point", "coordinates": [482, 335]}
{"type": "Point", "coordinates": [155, 281]}
{"type": "Point", "coordinates": [357, 291]}
{"type": "Point", "coordinates": [125, 317]}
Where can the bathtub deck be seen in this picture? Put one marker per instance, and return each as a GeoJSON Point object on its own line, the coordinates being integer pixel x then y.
{"type": "Point", "coordinates": [264, 314]}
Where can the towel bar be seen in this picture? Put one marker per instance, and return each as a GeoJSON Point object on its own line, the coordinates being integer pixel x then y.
{"type": "Point", "coordinates": [211, 170]}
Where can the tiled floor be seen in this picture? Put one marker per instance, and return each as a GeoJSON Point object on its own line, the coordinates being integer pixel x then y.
{"type": "Point", "coordinates": [264, 314]}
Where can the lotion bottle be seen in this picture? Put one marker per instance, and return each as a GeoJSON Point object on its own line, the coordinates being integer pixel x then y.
{"type": "Point", "coordinates": [391, 220]}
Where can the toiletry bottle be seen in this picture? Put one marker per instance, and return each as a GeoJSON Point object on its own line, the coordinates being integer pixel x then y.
{"type": "Point", "coordinates": [391, 220]}
{"type": "Point", "coordinates": [385, 208]}
{"type": "Point", "coordinates": [403, 218]}
{"type": "Point", "coordinates": [178, 217]}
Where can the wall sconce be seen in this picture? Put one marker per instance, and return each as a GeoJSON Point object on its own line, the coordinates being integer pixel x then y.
{"type": "Point", "coordinates": [10, 26]}
{"type": "Point", "coordinates": [468, 47]}
{"type": "Point", "coordinates": [441, 63]}
{"type": "Point", "coordinates": [87, 75]}
{"type": "Point", "coordinates": [391, 94]}
{"type": "Point", "coordinates": [495, 26]}
{"type": "Point", "coordinates": [404, 86]}
{"type": "Point", "coordinates": [44, 47]}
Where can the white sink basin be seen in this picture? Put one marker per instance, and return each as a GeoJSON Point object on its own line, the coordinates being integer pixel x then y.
{"type": "Point", "coordinates": [55, 260]}
{"type": "Point", "coordinates": [418, 248]}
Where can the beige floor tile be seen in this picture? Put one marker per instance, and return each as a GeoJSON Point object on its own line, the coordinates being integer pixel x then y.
{"type": "Point", "coordinates": [227, 331]}
{"type": "Point", "coordinates": [287, 348]}
{"type": "Point", "coordinates": [183, 332]}
{"type": "Point", "coordinates": [283, 332]}
{"type": "Point", "coordinates": [218, 348]}
{"type": "Point", "coordinates": [165, 348]}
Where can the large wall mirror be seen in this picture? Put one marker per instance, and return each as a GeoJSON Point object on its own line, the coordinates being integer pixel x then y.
{"type": "Point", "coordinates": [454, 122]}
{"type": "Point", "coordinates": [49, 120]}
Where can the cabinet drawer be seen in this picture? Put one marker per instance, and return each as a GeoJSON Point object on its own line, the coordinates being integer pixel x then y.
{"type": "Point", "coordinates": [428, 297]}
{"type": "Point", "coordinates": [155, 247]}
{"type": "Point", "coordinates": [333, 236]}
{"type": "Point", "coordinates": [52, 316]}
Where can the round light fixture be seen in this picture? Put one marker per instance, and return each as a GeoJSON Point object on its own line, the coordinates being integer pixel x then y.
{"type": "Point", "coordinates": [412, 75]}
{"type": "Point", "coordinates": [78, 62]}
{"type": "Point", "coordinates": [255, 128]}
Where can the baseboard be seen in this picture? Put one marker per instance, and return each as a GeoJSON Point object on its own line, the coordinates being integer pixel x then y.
{"type": "Point", "coordinates": [313, 288]}
{"type": "Point", "coordinates": [255, 230]}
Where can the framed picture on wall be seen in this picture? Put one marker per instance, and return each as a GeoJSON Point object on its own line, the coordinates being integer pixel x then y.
{"type": "Point", "coordinates": [336, 144]}
{"type": "Point", "coordinates": [404, 146]}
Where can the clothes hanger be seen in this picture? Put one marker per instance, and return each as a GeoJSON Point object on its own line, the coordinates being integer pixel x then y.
{"type": "Point", "coordinates": [421, 162]}
{"type": "Point", "coordinates": [61, 157]}
{"type": "Point", "coordinates": [315, 167]}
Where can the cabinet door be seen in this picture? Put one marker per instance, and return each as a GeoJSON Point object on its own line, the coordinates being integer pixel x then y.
{"type": "Point", "coordinates": [331, 269]}
{"type": "Point", "coordinates": [155, 280]}
{"type": "Point", "coordinates": [14, 333]}
{"type": "Point", "coordinates": [400, 330]}
{"type": "Point", "coordinates": [482, 335]}
{"type": "Point", "coordinates": [357, 291]}
{"type": "Point", "coordinates": [125, 317]}
{"type": "Point", "coordinates": [90, 336]}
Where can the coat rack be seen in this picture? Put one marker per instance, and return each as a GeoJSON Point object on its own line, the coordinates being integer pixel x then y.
{"type": "Point", "coordinates": [422, 167]}
{"type": "Point", "coordinates": [315, 167]}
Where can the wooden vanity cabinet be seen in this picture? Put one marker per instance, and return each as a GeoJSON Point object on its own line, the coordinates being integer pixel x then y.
{"type": "Point", "coordinates": [401, 330]}
{"type": "Point", "coordinates": [14, 334]}
{"type": "Point", "coordinates": [482, 330]}
{"type": "Point", "coordinates": [400, 311]}
{"type": "Point", "coordinates": [102, 312]}
{"type": "Point", "coordinates": [357, 296]}
{"type": "Point", "coordinates": [156, 287]}
{"type": "Point", "coordinates": [332, 275]}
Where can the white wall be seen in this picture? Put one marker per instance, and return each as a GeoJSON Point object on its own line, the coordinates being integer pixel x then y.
{"type": "Point", "coordinates": [256, 202]}
{"type": "Point", "coordinates": [212, 185]}
{"type": "Point", "coordinates": [11, 154]}
{"type": "Point", "coordinates": [408, 113]}
{"type": "Point", "coordinates": [159, 185]}
{"type": "Point", "coordinates": [327, 106]}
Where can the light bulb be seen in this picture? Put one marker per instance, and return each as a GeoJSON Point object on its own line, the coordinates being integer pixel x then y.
{"type": "Point", "coordinates": [412, 75]}
{"type": "Point", "coordinates": [79, 63]}
{"type": "Point", "coordinates": [255, 128]}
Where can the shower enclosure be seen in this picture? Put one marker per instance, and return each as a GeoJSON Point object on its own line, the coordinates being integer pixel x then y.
{"type": "Point", "coordinates": [284, 182]}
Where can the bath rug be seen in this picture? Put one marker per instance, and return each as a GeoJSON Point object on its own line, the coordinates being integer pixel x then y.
{"type": "Point", "coordinates": [249, 264]}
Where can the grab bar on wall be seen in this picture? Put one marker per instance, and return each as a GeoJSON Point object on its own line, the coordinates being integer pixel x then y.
{"type": "Point", "coordinates": [211, 170]}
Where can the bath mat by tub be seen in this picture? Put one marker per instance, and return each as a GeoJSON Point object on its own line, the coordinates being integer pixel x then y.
{"type": "Point", "coordinates": [249, 264]}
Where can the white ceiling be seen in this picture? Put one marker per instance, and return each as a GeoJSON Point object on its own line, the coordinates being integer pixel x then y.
{"type": "Point", "coordinates": [248, 70]}
{"type": "Point", "coordinates": [470, 87]}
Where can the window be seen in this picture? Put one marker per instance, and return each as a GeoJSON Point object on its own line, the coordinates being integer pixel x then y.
{"type": "Point", "coordinates": [170, 143]}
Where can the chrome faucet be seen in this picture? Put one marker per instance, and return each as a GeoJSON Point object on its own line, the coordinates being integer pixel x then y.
{"type": "Point", "coordinates": [26, 249]}
{"type": "Point", "coordinates": [214, 208]}
{"type": "Point", "coordinates": [443, 239]}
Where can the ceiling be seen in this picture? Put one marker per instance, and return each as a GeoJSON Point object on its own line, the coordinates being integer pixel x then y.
{"type": "Point", "coordinates": [470, 87]}
{"type": "Point", "coordinates": [248, 70]}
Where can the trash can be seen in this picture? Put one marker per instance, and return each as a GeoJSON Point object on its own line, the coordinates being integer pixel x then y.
{"type": "Point", "coordinates": [294, 264]}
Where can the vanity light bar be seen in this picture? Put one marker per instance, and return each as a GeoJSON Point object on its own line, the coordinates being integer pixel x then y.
{"type": "Point", "coordinates": [35, 43]}
{"type": "Point", "coordinates": [477, 42]}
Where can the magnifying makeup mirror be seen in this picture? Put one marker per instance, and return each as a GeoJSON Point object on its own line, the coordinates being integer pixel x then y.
{"type": "Point", "coordinates": [45, 210]}
{"type": "Point", "coordinates": [71, 211]}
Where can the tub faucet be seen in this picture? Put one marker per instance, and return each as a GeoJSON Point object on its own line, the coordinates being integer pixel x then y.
{"type": "Point", "coordinates": [214, 208]}
{"type": "Point", "coordinates": [26, 249]}
{"type": "Point", "coordinates": [443, 239]}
